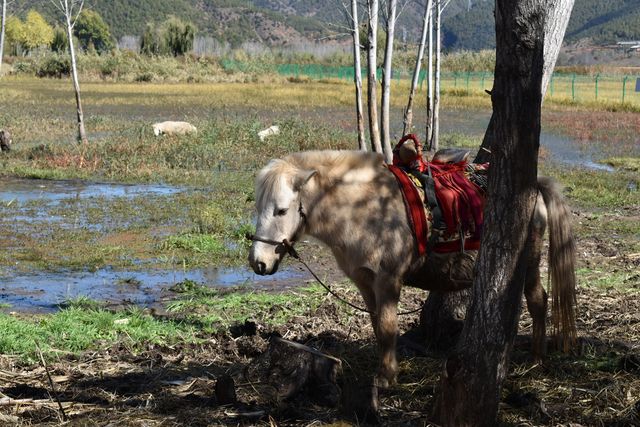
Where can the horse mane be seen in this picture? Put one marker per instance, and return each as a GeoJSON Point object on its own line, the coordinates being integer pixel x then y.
{"type": "Point", "coordinates": [331, 166]}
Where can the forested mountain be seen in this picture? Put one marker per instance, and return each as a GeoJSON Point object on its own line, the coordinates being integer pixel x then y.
{"type": "Point", "coordinates": [598, 20]}
{"type": "Point", "coordinates": [467, 24]}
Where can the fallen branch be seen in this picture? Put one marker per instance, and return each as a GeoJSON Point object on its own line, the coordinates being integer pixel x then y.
{"type": "Point", "coordinates": [53, 389]}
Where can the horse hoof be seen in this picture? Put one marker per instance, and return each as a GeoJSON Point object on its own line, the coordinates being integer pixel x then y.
{"type": "Point", "coordinates": [383, 382]}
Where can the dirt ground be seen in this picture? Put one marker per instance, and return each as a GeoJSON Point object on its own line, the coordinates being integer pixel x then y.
{"type": "Point", "coordinates": [599, 384]}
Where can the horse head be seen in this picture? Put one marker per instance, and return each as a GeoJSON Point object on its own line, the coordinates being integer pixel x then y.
{"type": "Point", "coordinates": [281, 214]}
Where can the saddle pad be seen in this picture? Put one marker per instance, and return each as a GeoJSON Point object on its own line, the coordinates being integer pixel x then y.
{"type": "Point", "coordinates": [461, 202]}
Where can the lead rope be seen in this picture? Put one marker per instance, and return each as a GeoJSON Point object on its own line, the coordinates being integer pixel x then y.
{"type": "Point", "coordinates": [294, 254]}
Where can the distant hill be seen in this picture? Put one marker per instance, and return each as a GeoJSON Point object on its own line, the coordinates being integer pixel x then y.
{"type": "Point", "coordinates": [600, 21]}
{"type": "Point", "coordinates": [467, 24]}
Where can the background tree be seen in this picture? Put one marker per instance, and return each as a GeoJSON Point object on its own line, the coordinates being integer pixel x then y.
{"type": "Point", "coordinates": [353, 22]}
{"type": "Point", "coordinates": [408, 112]}
{"type": "Point", "coordinates": [474, 372]}
{"type": "Point", "coordinates": [14, 34]}
{"type": "Point", "coordinates": [70, 10]}
{"type": "Point", "coordinates": [5, 11]}
{"type": "Point", "coordinates": [179, 36]}
{"type": "Point", "coordinates": [91, 30]}
{"type": "Point", "coordinates": [372, 71]}
{"type": "Point", "coordinates": [152, 41]}
{"type": "Point", "coordinates": [391, 17]}
{"type": "Point", "coordinates": [37, 32]}
{"type": "Point", "coordinates": [59, 42]}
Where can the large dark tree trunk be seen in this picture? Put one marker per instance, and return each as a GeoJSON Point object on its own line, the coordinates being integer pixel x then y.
{"type": "Point", "coordinates": [441, 307]}
{"type": "Point", "coordinates": [442, 319]}
{"type": "Point", "coordinates": [474, 372]}
{"type": "Point", "coordinates": [555, 25]}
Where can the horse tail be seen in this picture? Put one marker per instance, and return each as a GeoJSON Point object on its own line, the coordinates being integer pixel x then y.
{"type": "Point", "coordinates": [562, 263]}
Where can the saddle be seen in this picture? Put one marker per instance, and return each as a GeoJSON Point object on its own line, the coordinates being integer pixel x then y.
{"type": "Point", "coordinates": [444, 197]}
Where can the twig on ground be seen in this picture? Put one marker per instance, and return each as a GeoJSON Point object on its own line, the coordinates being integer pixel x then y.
{"type": "Point", "coordinates": [53, 389]}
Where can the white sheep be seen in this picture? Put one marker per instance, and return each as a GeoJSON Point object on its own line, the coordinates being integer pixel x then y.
{"type": "Point", "coordinates": [173, 128]}
{"type": "Point", "coordinates": [272, 130]}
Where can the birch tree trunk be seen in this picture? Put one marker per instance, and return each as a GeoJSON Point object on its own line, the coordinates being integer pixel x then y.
{"type": "Point", "coordinates": [435, 133]}
{"type": "Point", "coordinates": [386, 79]}
{"type": "Point", "coordinates": [473, 374]}
{"type": "Point", "coordinates": [82, 135]}
{"type": "Point", "coordinates": [429, 129]}
{"type": "Point", "coordinates": [357, 71]}
{"type": "Point", "coordinates": [555, 25]}
{"type": "Point", "coordinates": [408, 112]}
{"type": "Point", "coordinates": [4, 21]}
{"type": "Point", "coordinates": [372, 64]}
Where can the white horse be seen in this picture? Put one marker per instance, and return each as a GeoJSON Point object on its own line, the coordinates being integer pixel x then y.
{"type": "Point", "coordinates": [352, 203]}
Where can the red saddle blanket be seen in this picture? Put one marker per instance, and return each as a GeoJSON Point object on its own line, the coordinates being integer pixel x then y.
{"type": "Point", "coordinates": [461, 202]}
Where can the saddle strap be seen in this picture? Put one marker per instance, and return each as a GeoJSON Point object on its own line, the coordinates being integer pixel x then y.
{"type": "Point", "coordinates": [415, 209]}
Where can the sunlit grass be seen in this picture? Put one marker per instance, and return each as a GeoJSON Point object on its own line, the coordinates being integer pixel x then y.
{"type": "Point", "coordinates": [81, 326]}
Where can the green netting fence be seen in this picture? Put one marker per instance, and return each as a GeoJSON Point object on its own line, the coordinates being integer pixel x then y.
{"type": "Point", "coordinates": [570, 87]}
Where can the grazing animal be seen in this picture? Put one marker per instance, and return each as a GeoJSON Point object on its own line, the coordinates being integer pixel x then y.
{"type": "Point", "coordinates": [353, 204]}
{"type": "Point", "coordinates": [173, 128]}
{"type": "Point", "coordinates": [271, 130]}
{"type": "Point", "coordinates": [5, 140]}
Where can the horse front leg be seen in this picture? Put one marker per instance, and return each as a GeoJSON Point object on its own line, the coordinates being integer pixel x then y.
{"type": "Point", "coordinates": [381, 294]}
{"type": "Point", "coordinates": [387, 292]}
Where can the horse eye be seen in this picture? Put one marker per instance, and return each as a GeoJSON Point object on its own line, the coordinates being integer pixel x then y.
{"type": "Point", "coordinates": [281, 212]}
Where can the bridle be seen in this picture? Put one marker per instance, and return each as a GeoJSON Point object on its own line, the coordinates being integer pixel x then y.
{"type": "Point", "coordinates": [286, 243]}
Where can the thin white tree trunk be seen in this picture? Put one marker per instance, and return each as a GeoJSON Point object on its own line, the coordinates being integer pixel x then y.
{"type": "Point", "coordinates": [436, 97]}
{"type": "Point", "coordinates": [386, 80]}
{"type": "Point", "coordinates": [357, 70]}
{"type": "Point", "coordinates": [555, 28]}
{"type": "Point", "coordinates": [372, 63]}
{"type": "Point", "coordinates": [82, 135]}
{"type": "Point", "coordinates": [408, 112]}
{"type": "Point", "coordinates": [429, 130]}
{"type": "Point", "coordinates": [4, 20]}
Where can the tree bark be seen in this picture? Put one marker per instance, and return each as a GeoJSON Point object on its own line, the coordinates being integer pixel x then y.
{"type": "Point", "coordinates": [474, 372]}
{"type": "Point", "coordinates": [555, 25]}
{"type": "Point", "coordinates": [82, 135]}
{"type": "Point", "coordinates": [4, 20]}
{"type": "Point", "coordinates": [408, 112]}
{"type": "Point", "coordinates": [386, 79]}
{"type": "Point", "coordinates": [372, 64]}
{"type": "Point", "coordinates": [357, 71]}
{"type": "Point", "coordinates": [442, 319]}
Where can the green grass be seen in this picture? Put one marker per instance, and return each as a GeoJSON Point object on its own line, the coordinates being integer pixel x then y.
{"type": "Point", "coordinates": [596, 189]}
{"type": "Point", "coordinates": [215, 309]}
{"type": "Point", "coordinates": [624, 163]}
{"type": "Point", "coordinates": [605, 278]}
{"type": "Point", "coordinates": [82, 326]}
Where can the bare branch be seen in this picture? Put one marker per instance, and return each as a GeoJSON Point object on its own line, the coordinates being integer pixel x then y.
{"type": "Point", "coordinates": [73, 23]}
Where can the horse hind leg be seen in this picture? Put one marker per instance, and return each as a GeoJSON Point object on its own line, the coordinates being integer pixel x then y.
{"type": "Point", "coordinates": [534, 292]}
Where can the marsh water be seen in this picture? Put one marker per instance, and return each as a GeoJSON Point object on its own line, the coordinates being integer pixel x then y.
{"type": "Point", "coordinates": [32, 202]}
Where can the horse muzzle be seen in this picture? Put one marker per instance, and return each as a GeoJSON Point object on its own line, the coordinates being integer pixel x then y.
{"type": "Point", "coordinates": [261, 265]}
{"type": "Point", "coordinates": [261, 268]}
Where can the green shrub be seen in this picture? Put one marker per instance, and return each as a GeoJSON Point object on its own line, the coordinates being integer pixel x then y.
{"type": "Point", "coordinates": [54, 66]}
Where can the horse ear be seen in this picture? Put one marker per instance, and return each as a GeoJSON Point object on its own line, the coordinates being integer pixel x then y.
{"type": "Point", "coordinates": [302, 177]}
